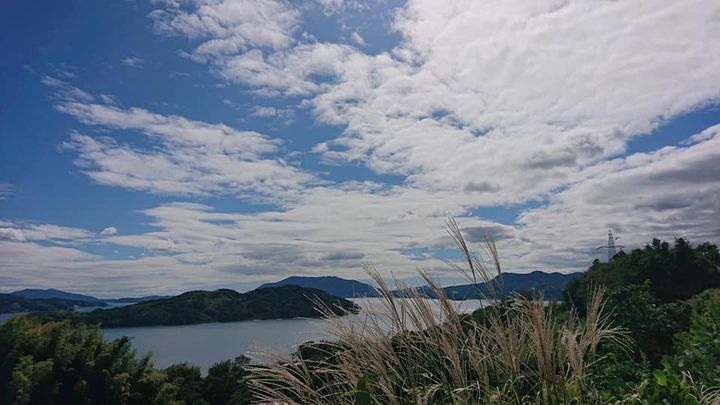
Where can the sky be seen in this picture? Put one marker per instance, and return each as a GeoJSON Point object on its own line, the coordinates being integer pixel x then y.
{"type": "Point", "coordinates": [158, 146]}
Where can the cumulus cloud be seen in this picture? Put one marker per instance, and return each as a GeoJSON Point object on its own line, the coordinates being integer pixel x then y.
{"type": "Point", "coordinates": [517, 95]}
{"type": "Point", "coordinates": [110, 230]}
{"type": "Point", "coordinates": [480, 104]}
{"type": "Point", "coordinates": [184, 157]}
{"type": "Point", "coordinates": [229, 26]}
{"type": "Point", "coordinates": [522, 93]}
{"type": "Point", "coordinates": [669, 193]}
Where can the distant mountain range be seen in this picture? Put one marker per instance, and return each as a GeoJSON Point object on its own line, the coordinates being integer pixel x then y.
{"type": "Point", "coordinates": [550, 285]}
{"type": "Point", "coordinates": [10, 303]}
{"type": "Point", "coordinates": [34, 293]}
{"type": "Point", "coordinates": [332, 285]}
{"type": "Point", "coordinates": [212, 306]}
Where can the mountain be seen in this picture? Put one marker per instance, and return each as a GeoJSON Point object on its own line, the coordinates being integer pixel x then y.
{"type": "Point", "coordinates": [10, 303]}
{"type": "Point", "coordinates": [34, 293]}
{"type": "Point", "coordinates": [213, 306]}
{"type": "Point", "coordinates": [51, 293]}
{"type": "Point", "coordinates": [551, 285]}
{"type": "Point", "coordinates": [132, 300]}
{"type": "Point", "coordinates": [331, 285]}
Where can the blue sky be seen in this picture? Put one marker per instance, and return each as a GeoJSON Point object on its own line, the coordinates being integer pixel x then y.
{"type": "Point", "coordinates": [158, 146]}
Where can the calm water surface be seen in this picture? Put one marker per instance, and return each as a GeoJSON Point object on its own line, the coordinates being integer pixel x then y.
{"type": "Point", "coordinates": [206, 344]}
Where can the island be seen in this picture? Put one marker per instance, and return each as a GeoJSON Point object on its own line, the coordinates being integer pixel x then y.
{"type": "Point", "coordinates": [222, 305]}
{"type": "Point", "coordinates": [10, 303]}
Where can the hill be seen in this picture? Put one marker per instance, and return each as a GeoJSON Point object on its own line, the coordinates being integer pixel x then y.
{"type": "Point", "coordinates": [675, 271]}
{"type": "Point", "coordinates": [10, 303]}
{"type": "Point", "coordinates": [34, 293]}
{"type": "Point", "coordinates": [331, 285]}
{"type": "Point", "coordinates": [213, 306]}
{"type": "Point", "coordinates": [132, 300]}
{"type": "Point", "coordinates": [551, 285]}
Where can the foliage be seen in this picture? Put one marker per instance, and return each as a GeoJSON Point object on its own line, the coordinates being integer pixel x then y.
{"type": "Point", "coordinates": [675, 273]}
{"type": "Point", "coordinates": [689, 375]}
{"type": "Point", "coordinates": [226, 382]}
{"type": "Point", "coordinates": [518, 352]}
{"type": "Point", "coordinates": [214, 306]}
{"type": "Point", "coordinates": [60, 363]}
{"type": "Point", "coordinates": [10, 303]}
{"type": "Point", "coordinates": [637, 342]}
{"type": "Point", "coordinates": [57, 363]}
{"type": "Point", "coordinates": [652, 325]}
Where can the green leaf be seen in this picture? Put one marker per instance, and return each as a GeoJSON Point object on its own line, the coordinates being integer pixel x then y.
{"type": "Point", "coordinates": [660, 378]}
{"type": "Point", "coordinates": [362, 394]}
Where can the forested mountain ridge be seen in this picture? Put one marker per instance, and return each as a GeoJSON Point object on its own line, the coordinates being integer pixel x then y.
{"type": "Point", "coordinates": [10, 303]}
{"type": "Point", "coordinates": [550, 285]}
{"type": "Point", "coordinates": [330, 284]}
{"type": "Point", "coordinates": [222, 305]}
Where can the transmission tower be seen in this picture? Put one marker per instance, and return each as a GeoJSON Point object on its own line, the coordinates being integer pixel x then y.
{"type": "Point", "coordinates": [611, 246]}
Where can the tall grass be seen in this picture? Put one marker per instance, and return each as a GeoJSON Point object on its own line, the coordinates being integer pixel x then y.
{"type": "Point", "coordinates": [515, 351]}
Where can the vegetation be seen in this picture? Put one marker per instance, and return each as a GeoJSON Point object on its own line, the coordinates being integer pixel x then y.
{"type": "Point", "coordinates": [214, 306]}
{"type": "Point", "coordinates": [60, 363]}
{"type": "Point", "coordinates": [635, 341]}
{"type": "Point", "coordinates": [12, 303]}
{"type": "Point", "coordinates": [330, 284]}
{"type": "Point", "coordinates": [549, 285]}
{"type": "Point", "coordinates": [674, 273]}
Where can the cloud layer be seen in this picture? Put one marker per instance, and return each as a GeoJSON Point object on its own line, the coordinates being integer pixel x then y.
{"type": "Point", "coordinates": [479, 105]}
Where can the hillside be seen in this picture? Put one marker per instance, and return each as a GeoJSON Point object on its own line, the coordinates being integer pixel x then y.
{"type": "Point", "coordinates": [551, 285]}
{"type": "Point", "coordinates": [131, 300]}
{"type": "Point", "coordinates": [34, 293]}
{"type": "Point", "coordinates": [10, 303]}
{"type": "Point", "coordinates": [212, 306]}
{"type": "Point", "coordinates": [332, 285]}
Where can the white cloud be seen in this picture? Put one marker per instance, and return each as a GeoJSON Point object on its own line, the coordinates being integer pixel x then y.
{"type": "Point", "coordinates": [286, 114]}
{"type": "Point", "coordinates": [251, 42]}
{"type": "Point", "coordinates": [110, 230]}
{"type": "Point", "coordinates": [185, 156]}
{"type": "Point", "coordinates": [264, 112]}
{"type": "Point", "coordinates": [519, 94]}
{"type": "Point", "coordinates": [11, 234]}
{"type": "Point", "coordinates": [133, 61]}
{"type": "Point", "coordinates": [670, 193]}
{"type": "Point", "coordinates": [22, 231]}
{"type": "Point", "coordinates": [480, 104]}
{"type": "Point", "coordinates": [229, 26]}
{"type": "Point", "coordinates": [358, 38]}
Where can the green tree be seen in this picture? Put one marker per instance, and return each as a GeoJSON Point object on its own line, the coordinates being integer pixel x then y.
{"type": "Point", "coordinates": [226, 382]}
{"type": "Point", "coordinates": [56, 363]}
{"type": "Point", "coordinates": [675, 273]}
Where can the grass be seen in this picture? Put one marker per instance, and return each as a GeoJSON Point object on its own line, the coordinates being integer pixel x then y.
{"type": "Point", "coordinates": [517, 351]}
